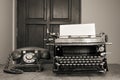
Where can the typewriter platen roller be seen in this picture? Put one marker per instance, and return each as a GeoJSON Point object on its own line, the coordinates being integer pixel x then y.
{"type": "Point", "coordinates": [77, 54]}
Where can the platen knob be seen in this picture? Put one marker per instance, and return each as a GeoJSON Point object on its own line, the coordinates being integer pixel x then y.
{"type": "Point", "coordinates": [101, 49]}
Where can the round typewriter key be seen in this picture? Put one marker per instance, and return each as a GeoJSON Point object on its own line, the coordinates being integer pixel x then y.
{"type": "Point", "coordinates": [95, 56]}
{"type": "Point", "coordinates": [99, 57]}
{"type": "Point", "coordinates": [69, 57]}
{"type": "Point", "coordinates": [91, 57]}
{"type": "Point", "coordinates": [63, 65]}
{"type": "Point", "coordinates": [76, 61]}
{"type": "Point", "coordinates": [84, 56]}
{"type": "Point", "coordinates": [80, 57]}
{"type": "Point", "coordinates": [59, 59]}
{"type": "Point", "coordinates": [73, 56]}
{"type": "Point", "coordinates": [74, 64]}
{"type": "Point", "coordinates": [77, 64]}
{"type": "Point", "coordinates": [88, 56]}
{"type": "Point", "coordinates": [91, 61]}
{"type": "Point", "coordinates": [97, 63]}
{"type": "Point", "coordinates": [87, 61]}
{"type": "Point", "coordinates": [89, 64]}
{"type": "Point", "coordinates": [56, 57]}
{"type": "Point", "coordinates": [68, 61]}
{"type": "Point", "coordinates": [66, 57]}
{"type": "Point", "coordinates": [64, 62]}
{"type": "Point", "coordinates": [77, 57]}
{"type": "Point", "coordinates": [83, 61]}
{"type": "Point", "coordinates": [82, 64]}
{"type": "Point", "coordinates": [61, 62]}
{"type": "Point", "coordinates": [62, 57]}
{"type": "Point", "coordinates": [72, 61]}
{"type": "Point", "coordinates": [67, 64]}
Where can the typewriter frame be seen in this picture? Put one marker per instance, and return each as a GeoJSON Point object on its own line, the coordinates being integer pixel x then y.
{"type": "Point", "coordinates": [59, 46]}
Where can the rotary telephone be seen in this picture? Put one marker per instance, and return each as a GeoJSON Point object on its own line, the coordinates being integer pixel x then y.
{"type": "Point", "coordinates": [26, 59]}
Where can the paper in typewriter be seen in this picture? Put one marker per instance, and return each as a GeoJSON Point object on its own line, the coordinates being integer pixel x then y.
{"type": "Point", "coordinates": [77, 30]}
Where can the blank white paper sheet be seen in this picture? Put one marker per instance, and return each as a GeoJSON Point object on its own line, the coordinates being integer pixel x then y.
{"type": "Point", "coordinates": [77, 29]}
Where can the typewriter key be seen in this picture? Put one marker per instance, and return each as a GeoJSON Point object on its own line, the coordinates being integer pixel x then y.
{"type": "Point", "coordinates": [73, 57]}
{"type": "Point", "coordinates": [97, 63]}
{"type": "Point", "coordinates": [61, 62]}
{"type": "Point", "coordinates": [69, 57]}
{"type": "Point", "coordinates": [91, 57]}
{"type": "Point", "coordinates": [91, 61]}
{"type": "Point", "coordinates": [84, 56]}
{"type": "Point", "coordinates": [83, 61]}
{"type": "Point", "coordinates": [74, 64]}
{"type": "Point", "coordinates": [72, 61]}
{"type": "Point", "coordinates": [89, 64]}
{"type": "Point", "coordinates": [81, 64]}
{"type": "Point", "coordinates": [68, 61]}
{"type": "Point", "coordinates": [88, 56]}
{"type": "Point", "coordinates": [64, 62]}
{"type": "Point", "coordinates": [77, 57]}
{"type": "Point", "coordinates": [67, 64]}
{"type": "Point", "coordinates": [61, 57]}
{"type": "Point", "coordinates": [66, 57]}
{"type": "Point", "coordinates": [76, 61]}
{"type": "Point", "coordinates": [81, 57]}
{"type": "Point", "coordinates": [87, 61]}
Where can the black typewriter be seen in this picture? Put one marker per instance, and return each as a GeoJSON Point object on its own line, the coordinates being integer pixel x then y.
{"type": "Point", "coordinates": [78, 54]}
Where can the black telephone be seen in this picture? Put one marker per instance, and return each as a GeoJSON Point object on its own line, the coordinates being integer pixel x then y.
{"type": "Point", "coordinates": [27, 59]}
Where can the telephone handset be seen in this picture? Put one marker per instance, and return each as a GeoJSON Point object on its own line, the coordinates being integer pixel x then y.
{"type": "Point", "coordinates": [28, 59]}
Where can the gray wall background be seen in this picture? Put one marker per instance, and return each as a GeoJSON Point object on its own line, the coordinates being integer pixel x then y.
{"type": "Point", "coordinates": [5, 29]}
{"type": "Point", "coordinates": [104, 13]}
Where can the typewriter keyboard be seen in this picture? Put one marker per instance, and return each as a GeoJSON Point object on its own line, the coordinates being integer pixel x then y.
{"type": "Point", "coordinates": [82, 62]}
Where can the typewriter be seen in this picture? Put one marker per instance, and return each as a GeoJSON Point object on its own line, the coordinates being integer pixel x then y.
{"type": "Point", "coordinates": [80, 54]}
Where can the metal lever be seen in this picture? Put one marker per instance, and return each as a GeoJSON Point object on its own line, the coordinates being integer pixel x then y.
{"type": "Point", "coordinates": [108, 43]}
